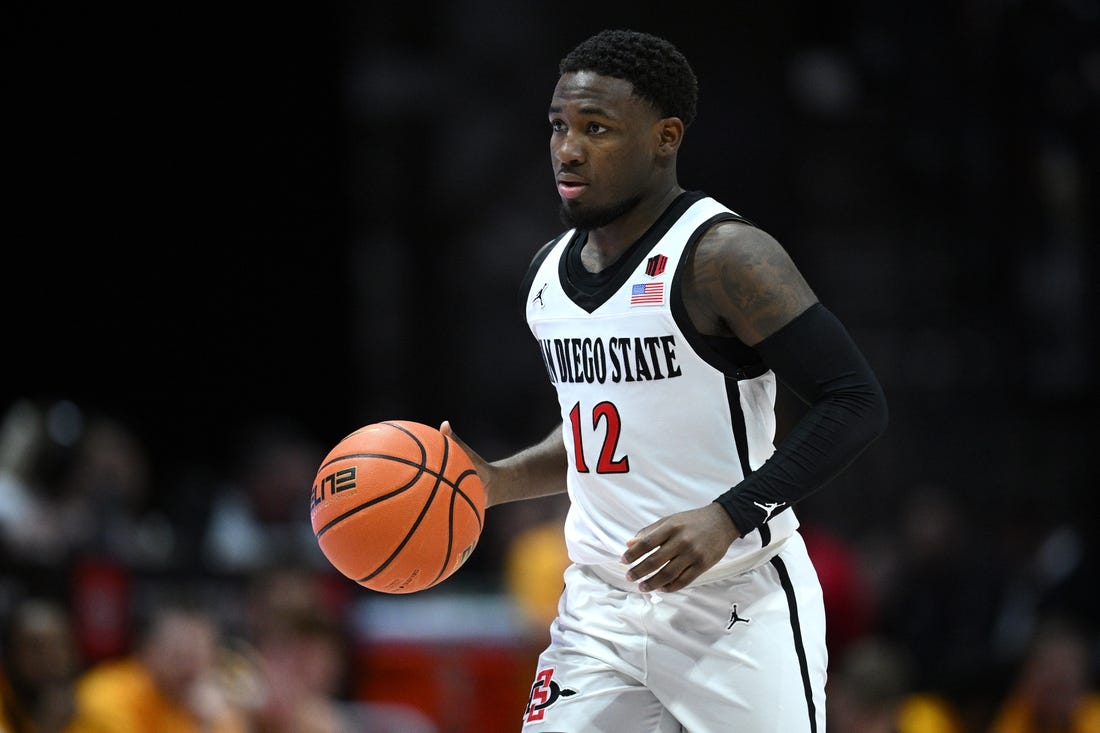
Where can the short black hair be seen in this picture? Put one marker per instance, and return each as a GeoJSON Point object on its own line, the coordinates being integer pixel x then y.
{"type": "Point", "coordinates": [658, 71]}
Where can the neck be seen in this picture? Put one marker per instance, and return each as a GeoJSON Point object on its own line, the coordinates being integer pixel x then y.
{"type": "Point", "coordinates": [607, 244]}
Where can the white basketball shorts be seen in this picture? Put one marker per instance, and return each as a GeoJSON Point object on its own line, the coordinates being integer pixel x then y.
{"type": "Point", "coordinates": [740, 654]}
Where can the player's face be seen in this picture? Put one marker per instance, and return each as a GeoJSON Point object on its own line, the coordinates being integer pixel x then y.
{"type": "Point", "coordinates": [602, 148]}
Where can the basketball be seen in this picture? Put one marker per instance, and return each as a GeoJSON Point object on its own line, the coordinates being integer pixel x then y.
{"type": "Point", "coordinates": [397, 506]}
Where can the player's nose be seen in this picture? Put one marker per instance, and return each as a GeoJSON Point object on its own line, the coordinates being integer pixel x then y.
{"type": "Point", "coordinates": [567, 150]}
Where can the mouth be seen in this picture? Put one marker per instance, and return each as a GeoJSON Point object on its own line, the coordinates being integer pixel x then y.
{"type": "Point", "coordinates": [571, 189]}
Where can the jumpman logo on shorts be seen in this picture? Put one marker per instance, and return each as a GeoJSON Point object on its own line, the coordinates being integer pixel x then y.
{"type": "Point", "coordinates": [734, 618]}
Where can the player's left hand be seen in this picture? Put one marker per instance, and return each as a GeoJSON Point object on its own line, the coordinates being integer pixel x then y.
{"type": "Point", "coordinates": [684, 545]}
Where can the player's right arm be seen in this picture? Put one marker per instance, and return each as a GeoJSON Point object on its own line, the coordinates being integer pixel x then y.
{"type": "Point", "coordinates": [535, 471]}
{"type": "Point", "coordinates": [532, 472]}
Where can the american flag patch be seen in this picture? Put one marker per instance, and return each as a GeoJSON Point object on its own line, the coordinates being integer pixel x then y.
{"type": "Point", "coordinates": [647, 293]}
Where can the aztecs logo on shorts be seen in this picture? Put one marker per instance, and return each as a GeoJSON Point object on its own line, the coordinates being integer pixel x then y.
{"type": "Point", "coordinates": [544, 693]}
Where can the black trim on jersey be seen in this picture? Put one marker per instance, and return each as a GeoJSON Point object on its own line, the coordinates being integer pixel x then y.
{"type": "Point", "coordinates": [796, 629]}
{"type": "Point", "coordinates": [727, 354]}
{"type": "Point", "coordinates": [741, 442]}
{"type": "Point", "coordinates": [590, 290]}
{"type": "Point", "coordinates": [740, 432]}
{"type": "Point", "coordinates": [766, 531]}
{"type": "Point", "coordinates": [529, 277]}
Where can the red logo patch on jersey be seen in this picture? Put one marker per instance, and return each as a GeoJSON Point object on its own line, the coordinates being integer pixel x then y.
{"type": "Point", "coordinates": [655, 265]}
{"type": "Point", "coordinates": [544, 693]}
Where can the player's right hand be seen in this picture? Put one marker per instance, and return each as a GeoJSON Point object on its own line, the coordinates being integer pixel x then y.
{"type": "Point", "coordinates": [484, 470]}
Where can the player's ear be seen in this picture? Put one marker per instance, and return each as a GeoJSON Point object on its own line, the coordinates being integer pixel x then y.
{"type": "Point", "coordinates": [670, 131]}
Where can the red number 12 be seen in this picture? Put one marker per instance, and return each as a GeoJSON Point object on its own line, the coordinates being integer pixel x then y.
{"type": "Point", "coordinates": [606, 412]}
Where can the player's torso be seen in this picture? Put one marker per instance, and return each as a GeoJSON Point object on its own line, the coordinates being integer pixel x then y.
{"type": "Point", "coordinates": [654, 422]}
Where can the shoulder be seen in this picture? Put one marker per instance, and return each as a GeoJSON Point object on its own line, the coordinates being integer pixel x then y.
{"type": "Point", "coordinates": [742, 278]}
{"type": "Point", "coordinates": [737, 241]}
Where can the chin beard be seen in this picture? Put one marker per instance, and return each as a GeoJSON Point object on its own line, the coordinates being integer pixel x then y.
{"type": "Point", "coordinates": [587, 219]}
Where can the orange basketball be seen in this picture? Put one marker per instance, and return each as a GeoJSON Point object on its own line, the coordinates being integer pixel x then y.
{"type": "Point", "coordinates": [397, 506]}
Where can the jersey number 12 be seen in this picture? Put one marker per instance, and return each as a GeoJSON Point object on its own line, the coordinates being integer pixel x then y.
{"type": "Point", "coordinates": [608, 414]}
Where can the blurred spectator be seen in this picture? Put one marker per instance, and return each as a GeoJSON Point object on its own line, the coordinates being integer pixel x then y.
{"type": "Point", "coordinates": [848, 609]}
{"type": "Point", "coordinates": [1054, 690]}
{"type": "Point", "coordinates": [260, 518]}
{"type": "Point", "coordinates": [943, 594]}
{"type": "Point", "coordinates": [291, 590]}
{"type": "Point", "coordinates": [169, 684]}
{"type": "Point", "coordinates": [107, 490]}
{"type": "Point", "coordinates": [535, 561]}
{"type": "Point", "coordinates": [36, 441]}
{"type": "Point", "coordinates": [302, 669]}
{"type": "Point", "coordinates": [871, 692]}
{"type": "Point", "coordinates": [298, 653]}
{"type": "Point", "coordinates": [38, 668]}
{"type": "Point", "coordinates": [302, 661]}
{"type": "Point", "coordinates": [75, 484]}
{"type": "Point", "coordinates": [1050, 570]}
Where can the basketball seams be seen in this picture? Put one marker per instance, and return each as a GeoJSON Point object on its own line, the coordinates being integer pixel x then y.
{"type": "Point", "coordinates": [405, 540]}
{"type": "Point", "coordinates": [455, 486]}
{"type": "Point", "coordinates": [423, 462]}
{"type": "Point", "coordinates": [419, 519]}
{"type": "Point", "coordinates": [381, 456]}
{"type": "Point", "coordinates": [366, 505]}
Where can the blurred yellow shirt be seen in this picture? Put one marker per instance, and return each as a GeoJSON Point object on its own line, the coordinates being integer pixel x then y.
{"type": "Point", "coordinates": [535, 563]}
{"type": "Point", "coordinates": [1015, 717]}
{"type": "Point", "coordinates": [927, 713]}
{"type": "Point", "coordinates": [120, 697]}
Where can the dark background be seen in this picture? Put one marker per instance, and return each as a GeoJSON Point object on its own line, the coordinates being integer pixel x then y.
{"type": "Point", "coordinates": [223, 216]}
{"type": "Point", "coordinates": [217, 215]}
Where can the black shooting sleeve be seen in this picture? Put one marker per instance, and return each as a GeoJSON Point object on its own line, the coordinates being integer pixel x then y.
{"type": "Point", "coordinates": [815, 357]}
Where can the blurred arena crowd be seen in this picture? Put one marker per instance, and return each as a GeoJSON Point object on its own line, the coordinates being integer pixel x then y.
{"type": "Point", "coordinates": [115, 592]}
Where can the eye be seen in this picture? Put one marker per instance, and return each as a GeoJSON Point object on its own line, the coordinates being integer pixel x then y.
{"type": "Point", "coordinates": [557, 125]}
{"type": "Point", "coordinates": [595, 128]}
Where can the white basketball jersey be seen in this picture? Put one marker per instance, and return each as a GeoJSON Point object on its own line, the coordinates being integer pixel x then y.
{"type": "Point", "coordinates": [655, 420]}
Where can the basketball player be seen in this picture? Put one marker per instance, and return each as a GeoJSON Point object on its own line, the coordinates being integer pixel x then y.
{"type": "Point", "coordinates": [664, 320]}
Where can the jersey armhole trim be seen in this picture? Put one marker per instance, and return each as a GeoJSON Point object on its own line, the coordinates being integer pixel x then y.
{"type": "Point", "coordinates": [696, 340]}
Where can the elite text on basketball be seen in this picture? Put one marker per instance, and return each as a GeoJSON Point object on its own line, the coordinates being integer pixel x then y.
{"type": "Point", "coordinates": [340, 480]}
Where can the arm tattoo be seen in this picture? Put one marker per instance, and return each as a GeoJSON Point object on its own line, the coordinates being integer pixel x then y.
{"type": "Point", "coordinates": [749, 282]}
